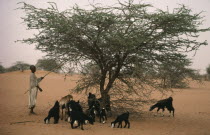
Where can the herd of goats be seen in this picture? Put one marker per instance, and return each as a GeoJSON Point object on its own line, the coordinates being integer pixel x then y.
{"type": "Point", "coordinates": [73, 111]}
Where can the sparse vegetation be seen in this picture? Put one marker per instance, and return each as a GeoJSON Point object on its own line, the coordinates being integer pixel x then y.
{"type": "Point", "coordinates": [2, 69]}
{"type": "Point", "coordinates": [18, 66]}
{"type": "Point", "coordinates": [208, 72]}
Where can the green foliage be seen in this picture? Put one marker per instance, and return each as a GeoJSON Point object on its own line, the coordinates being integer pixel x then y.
{"type": "Point", "coordinates": [2, 69]}
{"type": "Point", "coordinates": [125, 42]}
{"type": "Point", "coordinates": [48, 65]}
{"type": "Point", "coordinates": [19, 65]}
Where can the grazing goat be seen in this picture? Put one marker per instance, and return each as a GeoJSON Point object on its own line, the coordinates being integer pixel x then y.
{"type": "Point", "coordinates": [54, 112]}
{"type": "Point", "coordinates": [102, 115]}
{"type": "Point", "coordinates": [63, 105]}
{"type": "Point", "coordinates": [93, 101]}
{"type": "Point", "coordinates": [80, 117]}
{"type": "Point", "coordinates": [73, 105]}
{"type": "Point", "coordinates": [76, 114]}
{"type": "Point", "coordinates": [92, 112]}
{"type": "Point", "coordinates": [162, 104]}
{"type": "Point", "coordinates": [120, 119]}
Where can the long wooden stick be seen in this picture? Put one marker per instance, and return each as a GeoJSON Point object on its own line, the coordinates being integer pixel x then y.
{"type": "Point", "coordinates": [50, 72]}
{"type": "Point", "coordinates": [54, 69]}
{"type": "Point", "coordinates": [20, 122]}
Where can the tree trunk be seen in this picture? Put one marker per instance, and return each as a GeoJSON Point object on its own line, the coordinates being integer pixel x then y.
{"type": "Point", "coordinates": [105, 100]}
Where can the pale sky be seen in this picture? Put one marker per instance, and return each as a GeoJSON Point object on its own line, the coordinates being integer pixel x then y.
{"type": "Point", "coordinates": [11, 28]}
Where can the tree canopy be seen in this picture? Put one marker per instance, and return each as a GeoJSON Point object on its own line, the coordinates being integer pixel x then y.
{"type": "Point", "coordinates": [125, 43]}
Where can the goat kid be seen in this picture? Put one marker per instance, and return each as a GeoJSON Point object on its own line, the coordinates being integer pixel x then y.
{"type": "Point", "coordinates": [123, 117]}
{"type": "Point", "coordinates": [102, 115]}
{"type": "Point", "coordinates": [54, 112]}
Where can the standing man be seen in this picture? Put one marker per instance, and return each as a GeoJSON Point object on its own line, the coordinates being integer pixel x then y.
{"type": "Point", "coordinates": [34, 87]}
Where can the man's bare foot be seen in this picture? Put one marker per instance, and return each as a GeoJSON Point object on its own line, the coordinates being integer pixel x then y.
{"type": "Point", "coordinates": [32, 112]}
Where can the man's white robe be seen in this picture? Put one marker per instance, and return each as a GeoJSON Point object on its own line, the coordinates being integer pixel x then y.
{"type": "Point", "coordinates": [34, 81]}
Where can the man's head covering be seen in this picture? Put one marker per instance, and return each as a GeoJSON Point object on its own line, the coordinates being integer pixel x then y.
{"type": "Point", "coordinates": [32, 67]}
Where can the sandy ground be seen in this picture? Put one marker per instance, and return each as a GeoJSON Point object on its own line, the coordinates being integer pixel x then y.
{"type": "Point", "coordinates": [192, 114]}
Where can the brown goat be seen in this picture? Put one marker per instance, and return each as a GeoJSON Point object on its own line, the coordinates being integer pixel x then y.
{"type": "Point", "coordinates": [63, 105]}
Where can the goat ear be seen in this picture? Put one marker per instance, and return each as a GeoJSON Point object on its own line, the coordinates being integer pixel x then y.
{"type": "Point", "coordinates": [78, 101]}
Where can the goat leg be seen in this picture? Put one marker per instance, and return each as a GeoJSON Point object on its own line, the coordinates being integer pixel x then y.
{"type": "Point", "coordinates": [61, 114]}
{"type": "Point", "coordinates": [82, 126]}
{"type": "Point", "coordinates": [72, 123]}
{"type": "Point", "coordinates": [128, 124]}
{"type": "Point", "coordinates": [118, 125]}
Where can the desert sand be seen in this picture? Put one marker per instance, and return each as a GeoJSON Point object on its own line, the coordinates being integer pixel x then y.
{"type": "Point", "coordinates": [192, 114]}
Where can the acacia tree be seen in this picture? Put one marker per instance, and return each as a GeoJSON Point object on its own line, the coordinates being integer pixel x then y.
{"type": "Point", "coordinates": [126, 42]}
{"type": "Point", "coordinates": [173, 73]}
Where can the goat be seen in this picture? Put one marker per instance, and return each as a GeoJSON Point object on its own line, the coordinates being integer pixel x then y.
{"type": "Point", "coordinates": [162, 104]}
{"type": "Point", "coordinates": [92, 99]}
{"type": "Point", "coordinates": [54, 112]}
{"type": "Point", "coordinates": [76, 114]}
{"type": "Point", "coordinates": [73, 105]}
{"type": "Point", "coordinates": [92, 112]}
{"type": "Point", "coordinates": [80, 117]}
{"type": "Point", "coordinates": [63, 105]}
{"type": "Point", "coordinates": [102, 115]}
{"type": "Point", "coordinates": [120, 119]}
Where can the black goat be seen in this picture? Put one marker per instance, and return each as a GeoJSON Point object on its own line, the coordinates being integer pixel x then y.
{"type": "Point", "coordinates": [120, 119]}
{"type": "Point", "coordinates": [96, 111]}
{"type": "Point", "coordinates": [102, 115]}
{"type": "Point", "coordinates": [54, 112]}
{"type": "Point", "coordinates": [80, 117]}
{"type": "Point", "coordinates": [92, 112]}
{"type": "Point", "coordinates": [73, 105]}
{"type": "Point", "coordinates": [76, 114]}
{"type": "Point", "coordinates": [162, 104]}
{"type": "Point", "coordinates": [92, 100]}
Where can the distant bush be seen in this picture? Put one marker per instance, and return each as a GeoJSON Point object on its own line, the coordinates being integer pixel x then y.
{"type": "Point", "coordinates": [18, 66]}
{"type": "Point", "coordinates": [2, 69]}
{"type": "Point", "coordinates": [208, 72]}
